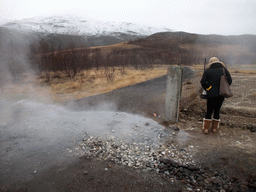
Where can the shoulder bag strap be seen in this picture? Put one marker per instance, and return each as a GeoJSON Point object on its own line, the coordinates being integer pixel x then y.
{"type": "Point", "coordinates": [224, 72]}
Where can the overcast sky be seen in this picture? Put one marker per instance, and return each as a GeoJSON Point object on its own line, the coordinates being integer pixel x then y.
{"type": "Point", "coordinates": [224, 17]}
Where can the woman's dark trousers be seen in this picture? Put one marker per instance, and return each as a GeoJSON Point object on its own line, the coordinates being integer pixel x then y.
{"type": "Point", "coordinates": [213, 107]}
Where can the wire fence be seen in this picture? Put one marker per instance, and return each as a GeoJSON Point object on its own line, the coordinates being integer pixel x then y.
{"type": "Point", "coordinates": [242, 106]}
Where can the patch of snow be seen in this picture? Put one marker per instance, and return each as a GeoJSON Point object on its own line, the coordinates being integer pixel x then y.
{"type": "Point", "coordinates": [73, 25]}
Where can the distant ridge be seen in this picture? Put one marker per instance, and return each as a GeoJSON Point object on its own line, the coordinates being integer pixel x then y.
{"type": "Point", "coordinates": [72, 25]}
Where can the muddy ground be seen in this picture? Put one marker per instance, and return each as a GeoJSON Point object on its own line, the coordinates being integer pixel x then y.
{"type": "Point", "coordinates": [230, 151]}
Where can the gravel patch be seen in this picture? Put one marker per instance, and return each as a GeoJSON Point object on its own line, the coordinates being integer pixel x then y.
{"type": "Point", "coordinates": [167, 158]}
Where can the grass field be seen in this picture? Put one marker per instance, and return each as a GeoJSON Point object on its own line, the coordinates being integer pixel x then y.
{"type": "Point", "coordinates": [58, 88]}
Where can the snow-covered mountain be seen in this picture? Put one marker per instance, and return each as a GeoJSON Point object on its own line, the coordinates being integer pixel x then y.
{"type": "Point", "coordinates": [72, 25]}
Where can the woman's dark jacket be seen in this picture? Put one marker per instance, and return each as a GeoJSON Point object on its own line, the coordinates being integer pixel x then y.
{"type": "Point", "coordinates": [211, 77]}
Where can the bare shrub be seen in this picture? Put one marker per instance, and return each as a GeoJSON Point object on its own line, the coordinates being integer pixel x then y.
{"type": "Point", "coordinates": [110, 73]}
{"type": "Point", "coordinates": [122, 70]}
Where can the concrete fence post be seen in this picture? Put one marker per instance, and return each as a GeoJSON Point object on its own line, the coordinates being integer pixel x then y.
{"type": "Point", "coordinates": [173, 93]}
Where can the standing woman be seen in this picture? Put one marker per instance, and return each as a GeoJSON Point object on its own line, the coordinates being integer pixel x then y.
{"type": "Point", "coordinates": [211, 84]}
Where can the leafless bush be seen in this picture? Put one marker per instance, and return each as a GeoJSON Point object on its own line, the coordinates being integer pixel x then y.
{"type": "Point", "coordinates": [110, 73]}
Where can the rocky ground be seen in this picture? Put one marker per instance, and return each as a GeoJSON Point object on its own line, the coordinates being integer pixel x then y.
{"type": "Point", "coordinates": [182, 159]}
{"type": "Point", "coordinates": [224, 161]}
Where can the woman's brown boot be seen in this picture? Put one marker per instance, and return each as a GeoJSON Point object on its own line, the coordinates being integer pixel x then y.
{"type": "Point", "coordinates": [206, 125]}
{"type": "Point", "coordinates": [215, 125]}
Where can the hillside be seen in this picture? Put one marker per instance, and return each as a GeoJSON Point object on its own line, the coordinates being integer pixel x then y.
{"type": "Point", "coordinates": [186, 48]}
{"type": "Point", "coordinates": [93, 32]}
{"type": "Point", "coordinates": [73, 25]}
{"type": "Point", "coordinates": [72, 53]}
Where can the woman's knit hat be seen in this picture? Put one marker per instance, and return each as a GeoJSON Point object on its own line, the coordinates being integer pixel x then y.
{"type": "Point", "coordinates": [214, 60]}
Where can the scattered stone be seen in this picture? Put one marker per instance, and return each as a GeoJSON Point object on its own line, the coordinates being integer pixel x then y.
{"type": "Point", "coordinates": [251, 128]}
{"type": "Point", "coordinates": [170, 160]}
{"type": "Point", "coordinates": [86, 172]}
{"type": "Point", "coordinates": [175, 128]}
{"type": "Point", "coordinates": [159, 135]}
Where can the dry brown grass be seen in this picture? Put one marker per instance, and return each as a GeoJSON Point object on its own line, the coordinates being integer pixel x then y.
{"type": "Point", "coordinates": [106, 49]}
{"type": "Point", "coordinates": [61, 89]}
{"type": "Point", "coordinates": [244, 69]}
{"type": "Point", "coordinates": [92, 82]}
